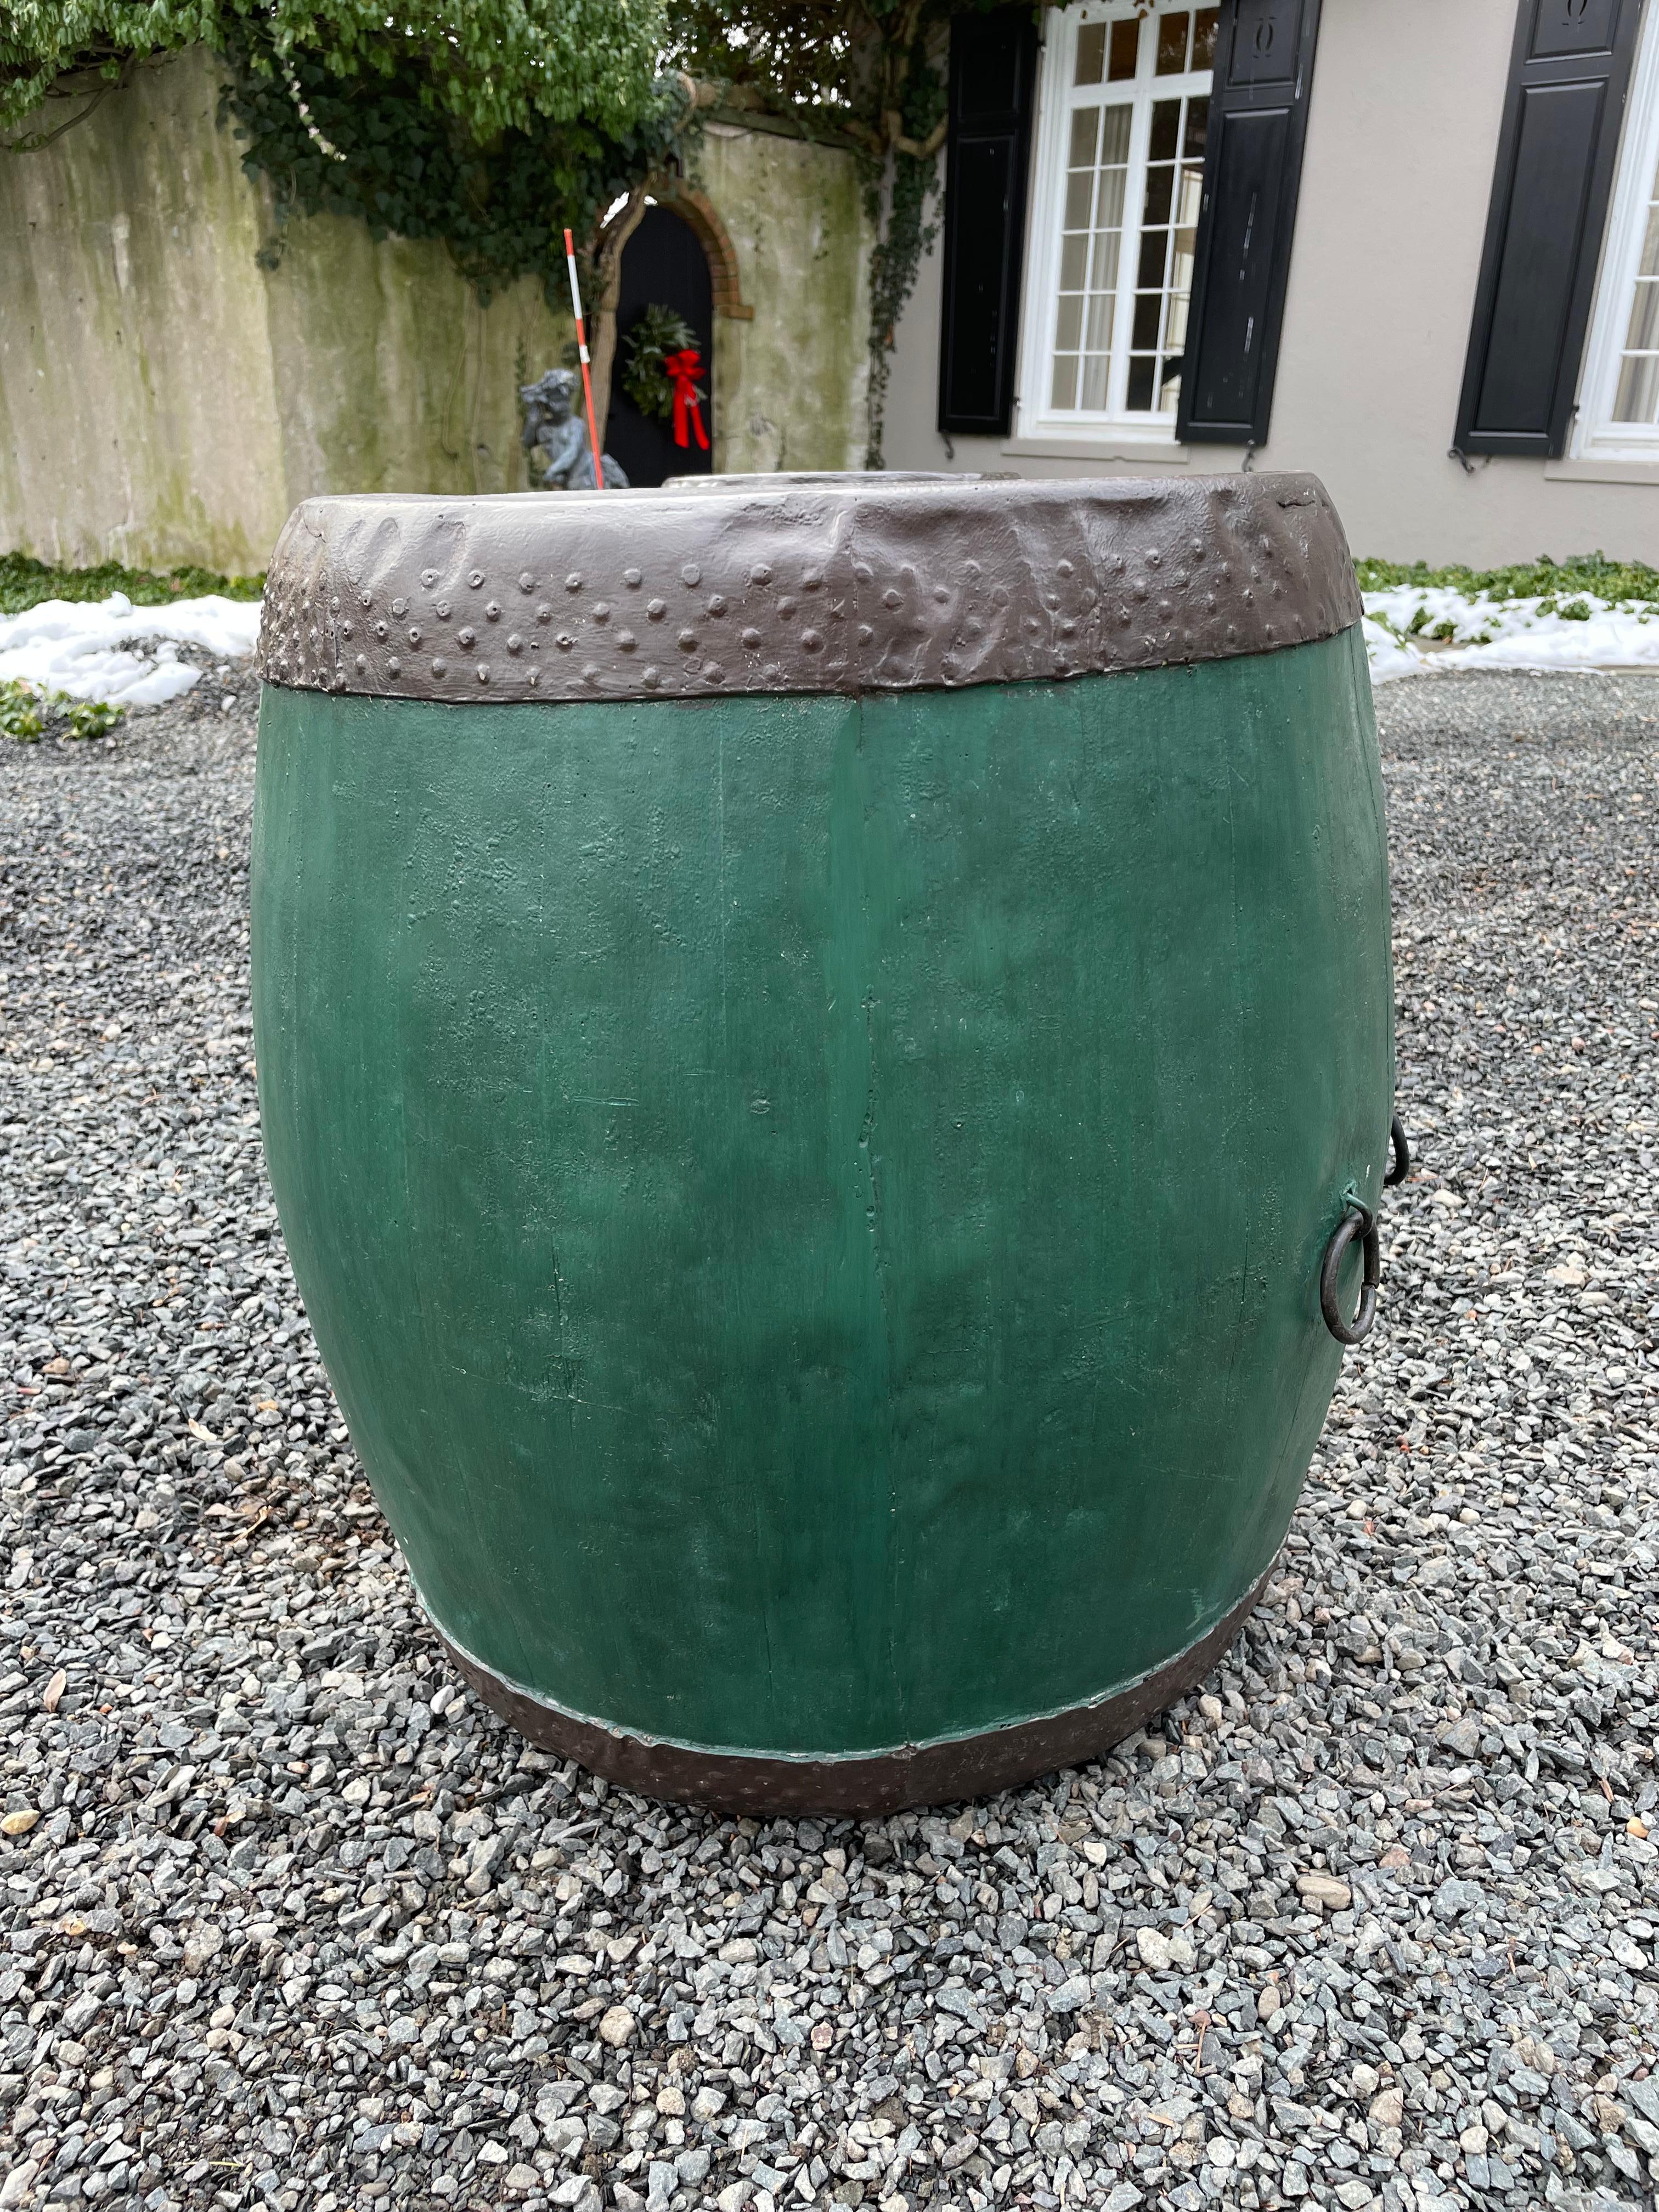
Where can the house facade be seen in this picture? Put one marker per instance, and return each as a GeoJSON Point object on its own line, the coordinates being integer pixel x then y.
{"type": "Point", "coordinates": [1410, 244]}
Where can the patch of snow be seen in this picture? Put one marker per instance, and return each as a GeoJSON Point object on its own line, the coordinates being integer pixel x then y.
{"type": "Point", "coordinates": [1481, 632]}
{"type": "Point", "coordinates": [95, 650]}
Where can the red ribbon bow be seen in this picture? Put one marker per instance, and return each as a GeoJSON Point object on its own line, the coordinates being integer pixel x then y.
{"type": "Point", "coordinates": [681, 369]}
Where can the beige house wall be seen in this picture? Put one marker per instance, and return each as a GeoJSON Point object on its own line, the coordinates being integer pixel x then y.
{"type": "Point", "coordinates": [1402, 135]}
{"type": "Point", "coordinates": [163, 398]}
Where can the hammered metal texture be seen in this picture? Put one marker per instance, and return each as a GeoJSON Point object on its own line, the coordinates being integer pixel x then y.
{"type": "Point", "coordinates": [959, 1768]}
{"type": "Point", "coordinates": [819, 584]}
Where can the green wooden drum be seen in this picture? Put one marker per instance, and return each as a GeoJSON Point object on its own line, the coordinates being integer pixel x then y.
{"type": "Point", "coordinates": [814, 1037]}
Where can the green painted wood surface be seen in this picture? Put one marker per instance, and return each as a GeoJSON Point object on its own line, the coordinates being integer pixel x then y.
{"type": "Point", "coordinates": [813, 1207]}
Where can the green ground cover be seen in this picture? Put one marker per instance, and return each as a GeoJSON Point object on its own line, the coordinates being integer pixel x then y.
{"type": "Point", "coordinates": [1611, 581]}
{"type": "Point", "coordinates": [25, 582]}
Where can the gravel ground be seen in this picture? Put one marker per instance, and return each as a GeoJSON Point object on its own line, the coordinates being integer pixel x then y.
{"type": "Point", "coordinates": [289, 1918]}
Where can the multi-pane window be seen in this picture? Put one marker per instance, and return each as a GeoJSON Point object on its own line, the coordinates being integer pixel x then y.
{"type": "Point", "coordinates": [1617, 418]}
{"type": "Point", "coordinates": [1126, 129]}
{"type": "Point", "coordinates": [1636, 398]}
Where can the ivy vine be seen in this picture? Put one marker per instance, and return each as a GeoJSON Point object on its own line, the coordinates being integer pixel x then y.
{"type": "Point", "coordinates": [369, 147]}
{"type": "Point", "coordinates": [907, 233]}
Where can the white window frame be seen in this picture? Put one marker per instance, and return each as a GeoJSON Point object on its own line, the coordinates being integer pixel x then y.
{"type": "Point", "coordinates": [1596, 434]}
{"type": "Point", "coordinates": [1056, 98]}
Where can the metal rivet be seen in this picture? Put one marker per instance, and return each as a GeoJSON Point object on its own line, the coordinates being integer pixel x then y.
{"type": "Point", "coordinates": [428, 577]}
{"type": "Point", "coordinates": [366, 598]}
{"type": "Point", "coordinates": [544, 613]}
{"type": "Point", "coordinates": [380, 631]}
{"type": "Point", "coordinates": [362, 664]}
{"type": "Point", "coordinates": [687, 641]}
{"type": "Point", "coordinates": [476, 579]}
{"type": "Point", "coordinates": [786, 606]}
{"type": "Point", "coordinates": [889, 598]}
{"type": "Point", "coordinates": [400, 608]}
{"type": "Point", "coordinates": [625, 641]}
{"type": "Point", "coordinates": [631, 578]}
{"type": "Point", "coordinates": [467, 636]}
{"type": "Point", "coordinates": [760, 574]}
{"type": "Point", "coordinates": [535, 676]}
{"type": "Point", "coordinates": [940, 593]}
{"type": "Point", "coordinates": [440, 667]}
{"type": "Point", "coordinates": [691, 573]}
{"type": "Point", "coordinates": [601, 611]}
{"type": "Point", "coordinates": [573, 583]}
{"type": "Point", "coordinates": [345, 630]}
{"type": "Point", "coordinates": [515, 643]}
{"type": "Point", "coordinates": [441, 610]}
{"type": "Point", "coordinates": [484, 671]}
{"type": "Point", "coordinates": [650, 677]}
{"type": "Point", "coordinates": [811, 579]}
{"type": "Point", "coordinates": [811, 640]}
{"type": "Point", "coordinates": [1064, 569]}
{"type": "Point", "coordinates": [414, 636]}
{"type": "Point", "coordinates": [865, 633]}
{"type": "Point", "coordinates": [526, 581]}
{"type": "Point", "coordinates": [493, 612]}
{"type": "Point", "coordinates": [564, 641]}
{"type": "Point", "coordinates": [752, 638]}
{"type": "Point", "coordinates": [717, 605]}
{"type": "Point", "coordinates": [656, 611]}
{"type": "Point", "coordinates": [591, 673]}
{"type": "Point", "coordinates": [713, 672]}
{"type": "Point", "coordinates": [394, 666]}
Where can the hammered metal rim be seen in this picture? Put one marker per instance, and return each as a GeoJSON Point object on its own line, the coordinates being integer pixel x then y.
{"type": "Point", "coordinates": [948, 1771]}
{"type": "Point", "coordinates": [816, 584]}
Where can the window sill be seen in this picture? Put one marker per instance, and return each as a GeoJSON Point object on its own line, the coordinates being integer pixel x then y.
{"type": "Point", "coordinates": [1101, 446]}
{"type": "Point", "coordinates": [1605, 468]}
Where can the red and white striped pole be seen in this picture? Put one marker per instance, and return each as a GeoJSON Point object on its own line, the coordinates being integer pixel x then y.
{"type": "Point", "coordinates": [581, 347]}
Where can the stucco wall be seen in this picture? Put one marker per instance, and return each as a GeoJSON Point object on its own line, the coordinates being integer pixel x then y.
{"type": "Point", "coordinates": [1402, 135]}
{"type": "Point", "coordinates": [790, 388]}
{"type": "Point", "coordinates": [163, 398]}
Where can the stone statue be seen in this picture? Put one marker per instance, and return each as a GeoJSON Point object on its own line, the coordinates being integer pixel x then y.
{"type": "Point", "coordinates": [555, 436]}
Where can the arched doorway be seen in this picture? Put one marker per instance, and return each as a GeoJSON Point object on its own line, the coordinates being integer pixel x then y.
{"type": "Point", "coordinates": [663, 265]}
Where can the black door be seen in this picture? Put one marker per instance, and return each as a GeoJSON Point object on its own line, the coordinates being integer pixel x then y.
{"type": "Point", "coordinates": [663, 265]}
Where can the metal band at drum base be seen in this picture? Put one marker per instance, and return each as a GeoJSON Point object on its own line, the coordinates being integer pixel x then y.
{"type": "Point", "coordinates": [843, 585]}
{"type": "Point", "coordinates": [959, 1767]}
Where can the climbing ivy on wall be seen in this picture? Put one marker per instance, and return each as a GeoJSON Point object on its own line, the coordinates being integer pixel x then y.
{"type": "Point", "coordinates": [489, 126]}
{"type": "Point", "coordinates": [371, 149]}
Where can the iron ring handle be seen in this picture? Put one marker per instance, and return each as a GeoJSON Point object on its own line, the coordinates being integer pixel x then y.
{"type": "Point", "coordinates": [1355, 1222]}
{"type": "Point", "coordinates": [1401, 1166]}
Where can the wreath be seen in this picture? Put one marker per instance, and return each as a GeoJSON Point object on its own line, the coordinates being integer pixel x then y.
{"type": "Point", "coordinates": [655, 335]}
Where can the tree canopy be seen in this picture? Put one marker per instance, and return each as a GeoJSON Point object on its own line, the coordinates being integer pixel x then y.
{"type": "Point", "coordinates": [491, 65]}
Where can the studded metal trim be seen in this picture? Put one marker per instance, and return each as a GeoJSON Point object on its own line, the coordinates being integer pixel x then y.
{"type": "Point", "coordinates": [877, 1782]}
{"type": "Point", "coordinates": [840, 584]}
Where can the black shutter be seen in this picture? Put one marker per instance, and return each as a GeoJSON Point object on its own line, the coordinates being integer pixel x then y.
{"type": "Point", "coordinates": [993, 69]}
{"type": "Point", "coordinates": [1569, 74]}
{"type": "Point", "coordinates": [1242, 258]}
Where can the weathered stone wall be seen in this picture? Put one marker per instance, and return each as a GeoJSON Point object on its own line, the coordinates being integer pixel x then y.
{"type": "Point", "coordinates": [164, 398]}
{"type": "Point", "coordinates": [791, 386]}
